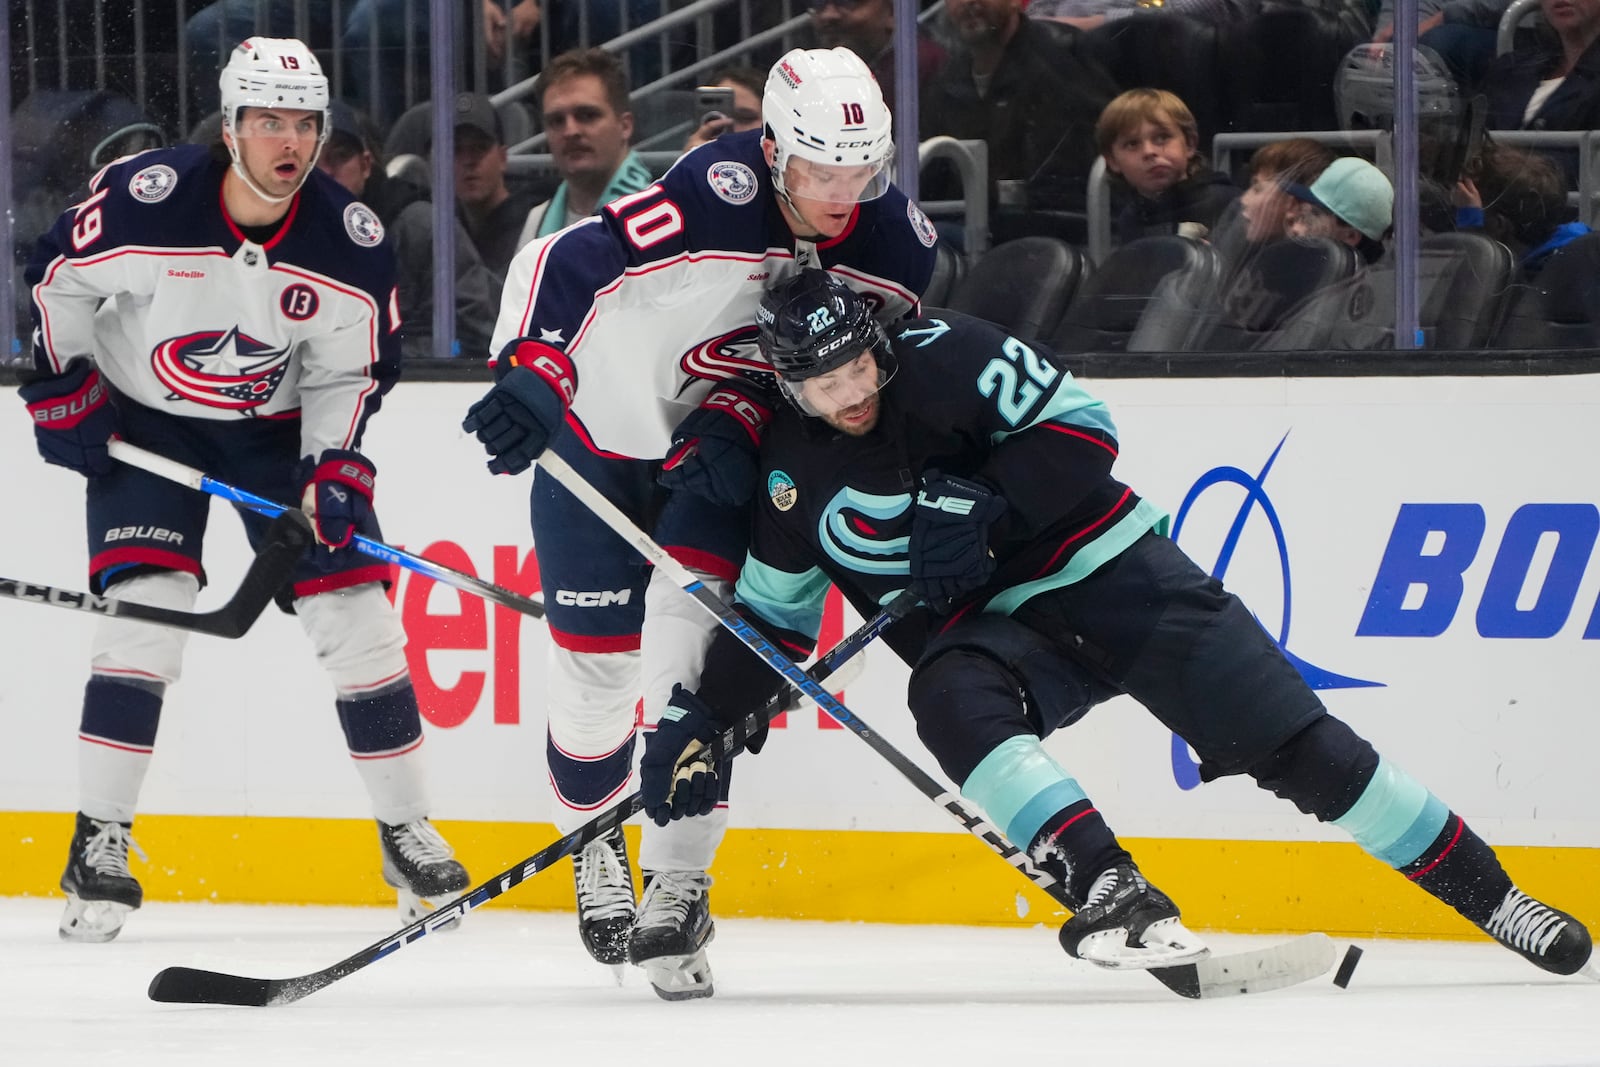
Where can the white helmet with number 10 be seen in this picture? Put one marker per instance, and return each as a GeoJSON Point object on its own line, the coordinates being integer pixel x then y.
{"type": "Point", "coordinates": [825, 113]}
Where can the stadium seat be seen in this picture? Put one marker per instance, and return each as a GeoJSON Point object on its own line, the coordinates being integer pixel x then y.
{"type": "Point", "coordinates": [412, 132]}
{"type": "Point", "coordinates": [1559, 307]}
{"type": "Point", "coordinates": [948, 268]}
{"type": "Point", "coordinates": [1267, 288]}
{"type": "Point", "coordinates": [1023, 285]}
{"type": "Point", "coordinates": [1106, 310]}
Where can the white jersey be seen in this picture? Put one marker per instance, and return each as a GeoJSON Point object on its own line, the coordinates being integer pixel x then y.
{"type": "Point", "coordinates": [185, 313]}
{"type": "Point", "coordinates": [655, 298]}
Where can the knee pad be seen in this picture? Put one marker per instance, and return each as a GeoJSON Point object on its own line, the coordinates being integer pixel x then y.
{"type": "Point", "coordinates": [1323, 769]}
{"type": "Point", "coordinates": [590, 699]}
{"type": "Point", "coordinates": [677, 632]}
{"type": "Point", "coordinates": [357, 637]}
{"type": "Point", "coordinates": [137, 652]}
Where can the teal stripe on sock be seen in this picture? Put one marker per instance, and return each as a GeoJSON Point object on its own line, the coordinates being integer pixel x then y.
{"type": "Point", "coordinates": [1019, 786]}
{"type": "Point", "coordinates": [1396, 818]}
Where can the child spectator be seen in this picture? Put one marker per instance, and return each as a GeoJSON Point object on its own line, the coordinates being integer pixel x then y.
{"type": "Point", "coordinates": [1264, 206]}
{"type": "Point", "coordinates": [1351, 202]}
{"type": "Point", "coordinates": [1519, 198]}
{"type": "Point", "coordinates": [1150, 140]}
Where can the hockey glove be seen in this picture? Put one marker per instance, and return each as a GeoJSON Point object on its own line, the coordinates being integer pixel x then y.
{"type": "Point", "coordinates": [519, 415]}
{"type": "Point", "coordinates": [336, 494]}
{"type": "Point", "coordinates": [714, 450]}
{"type": "Point", "coordinates": [950, 554]}
{"type": "Point", "coordinates": [73, 418]}
{"type": "Point", "coordinates": [687, 731]}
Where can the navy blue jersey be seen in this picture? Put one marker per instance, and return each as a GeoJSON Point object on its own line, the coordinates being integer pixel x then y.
{"type": "Point", "coordinates": [186, 314]}
{"type": "Point", "coordinates": [654, 298]}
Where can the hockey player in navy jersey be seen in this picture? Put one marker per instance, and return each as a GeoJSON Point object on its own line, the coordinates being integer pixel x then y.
{"type": "Point", "coordinates": [231, 308]}
{"type": "Point", "coordinates": [952, 460]}
{"type": "Point", "coordinates": [625, 342]}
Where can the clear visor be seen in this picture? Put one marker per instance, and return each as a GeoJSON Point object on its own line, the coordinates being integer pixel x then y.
{"type": "Point", "coordinates": [835, 184]}
{"type": "Point", "coordinates": [841, 388]}
{"type": "Point", "coordinates": [282, 125]}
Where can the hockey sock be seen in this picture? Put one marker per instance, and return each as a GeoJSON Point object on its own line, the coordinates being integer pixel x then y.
{"type": "Point", "coordinates": [384, 732]}
{"type": "Point", "coordinates": [1076, 845]}
{"type": "Point", "coordinates": [1462, 870]}
{"type": "Point", "coordinates": [116, 736]}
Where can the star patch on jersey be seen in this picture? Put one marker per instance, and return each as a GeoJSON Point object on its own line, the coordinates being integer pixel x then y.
{"type": "Point", "coordinates": [153, 184]}
{"type": "Point", "coordinates": [734, 182]}
{"type": "Point", "coordinates": [780, 487]}
{"type": "Point", "coordinates": [921, 224]}
{"type": "Point", "coordinates": [362, 225]}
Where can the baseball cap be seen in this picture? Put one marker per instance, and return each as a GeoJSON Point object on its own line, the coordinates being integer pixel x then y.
{"type": "Point", "coordinates": [342, 123]}
{"type": "Point", "coordinates": [1353, 190]}
{"type": "Point", "coordinates": [477, 111]}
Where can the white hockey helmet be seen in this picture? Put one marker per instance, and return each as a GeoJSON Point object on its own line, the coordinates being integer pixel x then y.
{"type": "Point", "coordinates": [273, 72]}
{"type": "Point", "coordinates": [824, 110]}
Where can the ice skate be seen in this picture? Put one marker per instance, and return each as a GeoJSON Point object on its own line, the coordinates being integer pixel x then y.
{"type": "Point", "coordinates": [671, 932]}
{"type": "Point", "coordinates": [1127, 923]}
{"type": "Point", "coordinates": [420, 865]}
{"type": "Point", "coordinates": [100, 889]}
{"type": "Point", "coordinates": [605, 898]}
{"type": "Point", "coordinates": [1545, 936]}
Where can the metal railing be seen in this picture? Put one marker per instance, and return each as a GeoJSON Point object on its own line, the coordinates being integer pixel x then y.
{"type": "Point", "coordinates": [971, 159]}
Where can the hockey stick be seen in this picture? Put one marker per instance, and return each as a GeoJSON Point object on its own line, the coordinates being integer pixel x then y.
{"type": "Point", "coordinates": [1273, 967]}
{"type": "Point", "coordinates": [190, 985]}
{"type": "Point", "coordinates": [286, 540]}
{"type": "Point", "coordinates": [174, 471]}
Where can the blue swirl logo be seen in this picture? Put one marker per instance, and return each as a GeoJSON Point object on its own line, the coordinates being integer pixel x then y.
{"type": "Point", "coordinates": [859, 531]}
{"type": "Point", "coordinates": [1184, 770]}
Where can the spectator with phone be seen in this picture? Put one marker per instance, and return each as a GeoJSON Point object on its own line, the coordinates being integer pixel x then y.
{"type": "Point", "coordinates": [583, 100]}
{"type": "Point", "coordinates": [735, 107]}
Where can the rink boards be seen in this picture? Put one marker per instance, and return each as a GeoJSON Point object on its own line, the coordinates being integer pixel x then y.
{"type": "Point", "coordinates": [1421, 546]}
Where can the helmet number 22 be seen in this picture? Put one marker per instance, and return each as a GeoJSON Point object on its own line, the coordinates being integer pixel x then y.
{"type": "Point", "coordinates": [1016, 400]}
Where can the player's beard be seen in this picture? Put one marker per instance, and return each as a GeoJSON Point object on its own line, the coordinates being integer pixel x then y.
{"type": "Point", "coordinates": [858, 420]}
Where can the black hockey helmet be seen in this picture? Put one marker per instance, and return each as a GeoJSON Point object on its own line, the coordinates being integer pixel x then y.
{"type": "Point", "coordinates": [812, 323]}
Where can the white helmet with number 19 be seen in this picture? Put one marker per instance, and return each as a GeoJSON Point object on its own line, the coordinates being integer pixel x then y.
{"type": "Point", "coordinates": [826, 115]}
{"type": "Point", "coordinates": [272, 72]}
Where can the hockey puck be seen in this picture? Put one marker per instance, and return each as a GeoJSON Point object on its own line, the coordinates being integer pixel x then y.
{"type": "Point", "coordinates": [1347, 967]}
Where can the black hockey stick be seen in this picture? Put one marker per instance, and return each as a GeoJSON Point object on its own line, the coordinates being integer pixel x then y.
{"type": "Point", "coordinates": [190, 985]}
{"type": "Point", "coordinates": [174, 471]}
{"type": "Point", "coordinates": [1284, 964]}
{"type": "Point", "coordinates": [285, 542]}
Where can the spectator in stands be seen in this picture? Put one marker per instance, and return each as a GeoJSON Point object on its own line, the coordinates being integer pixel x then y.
{"type": "Point", "coordinates": [1551, 85]}
{"type": "Point", "coordinates": [353, 158]}
{"type": "Point", "coordinates": [583, 97]}
{"type": "Point", "coordinates": [866, 27]}
{"type": "Point", "coordinates": [1520, 199]}
{"type": "Point", "coordinates": [491, 209]}
{"type": "Point", "coordinates": [1090, 14]}
{"type": "Point", "coordinates": [1351, 201]}
{"type": "Point", "coordinates": [1264, 206]}
{"type": "Point", "coordinates": [1029, 89]}
{"type": "Point", "coordinates": [1151, 143]}
{"type": "Point", "coordinates": [748, 85]}
{"type": "Point", "coordinates": [1461, 32]}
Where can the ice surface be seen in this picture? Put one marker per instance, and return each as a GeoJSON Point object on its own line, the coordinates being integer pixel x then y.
{"type": "Point", "coordinates": [518, 986]}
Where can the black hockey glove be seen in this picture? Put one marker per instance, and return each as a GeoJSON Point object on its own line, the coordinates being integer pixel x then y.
{"type": "Point", "coordinates": [73, 418]}
{"type": "Point", "coordinates": [714, 450]}
{"type": "Point", "coordinates": [688, 729]}
{"type": "Point", "coordinates": [336, 493]}
{"type": "Point", "coordinates": [519, 415]}
{"type": "Point", "coordinates": [950, 554]}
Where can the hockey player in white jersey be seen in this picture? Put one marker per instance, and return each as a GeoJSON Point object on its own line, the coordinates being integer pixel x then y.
{"type": "Point", "coordinates": [626, 343]}
{"type": "Point", "coordinates": [232, 308]}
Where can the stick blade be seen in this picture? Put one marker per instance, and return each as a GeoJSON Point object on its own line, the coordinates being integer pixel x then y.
{"type": "Point", "coordinates": [1260, 970]}
{"type": "Point", "coordinates": [189, 985]}
{"type": "Point", "coordinates": [285, 542]}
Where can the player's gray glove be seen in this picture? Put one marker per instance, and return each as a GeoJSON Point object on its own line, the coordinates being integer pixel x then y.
{"type": "Point", "coordinates": [519, 415]}
{"type": "Point", "coordinates": [950, 554]}
{"type": "Point", "coordinates": [715, 449]}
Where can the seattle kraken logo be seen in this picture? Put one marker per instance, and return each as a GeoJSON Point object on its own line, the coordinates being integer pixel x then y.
{"type": "Point", "coordinates": [1184, 770]}
{"type": "Point", "coordinates": [852, 531]}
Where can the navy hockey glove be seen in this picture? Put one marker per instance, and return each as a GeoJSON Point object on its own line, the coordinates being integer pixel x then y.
{"type": "Point", "coordinates": [950, 554]}
{"type": "Point", "coordinates": [519, 415]}
{"type": "Point", "coordinates": [73, 418]}
{"type": "Point", "coordinates": [336, 493]}
{"type": "Point", "coordinates": [714, 450]}
{"type": "Point", "coordinates": [688, 728]}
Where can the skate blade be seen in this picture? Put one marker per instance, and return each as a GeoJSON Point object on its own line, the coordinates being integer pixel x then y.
{"type": "Point", "coordinates": [680, 977]}
{"type": "Point", "coordinates": [92, 921]}
{"type": "Point", "coordinates": [1591, 970]}
{"type": "Point", "coordinates": [414, 908]}
{"type": "Point", "coordinates": [1165, 943]}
